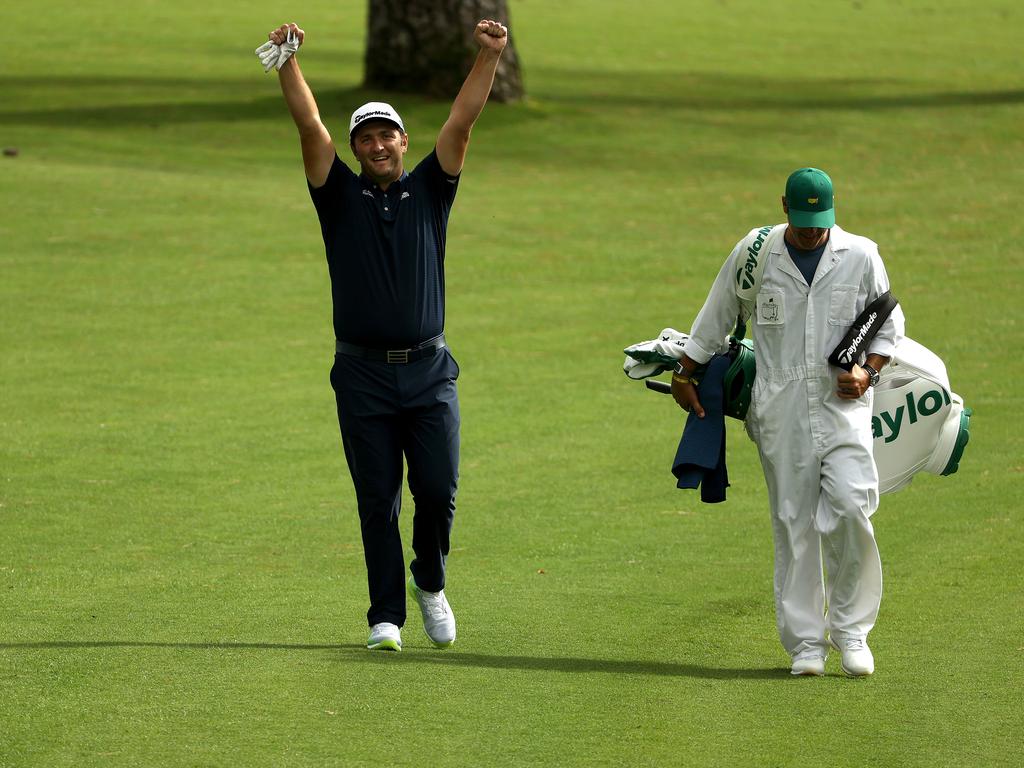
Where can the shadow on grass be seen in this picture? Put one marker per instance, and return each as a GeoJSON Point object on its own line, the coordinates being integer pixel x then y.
{"type": "Point", "coordinates": [153, 105]}
{"type": "Point", "coordinates": [576, 665]}
{"type": "Point", "coordinates": [359, 654]}
{"type": "Point", "coordinates": [154, 101]}
{"type": "Point", "coordinates": [155, 644]}
{"type": "Point", "coordinates": [701, 91]}
{"type": "Point", "coordinates": [146, 101]}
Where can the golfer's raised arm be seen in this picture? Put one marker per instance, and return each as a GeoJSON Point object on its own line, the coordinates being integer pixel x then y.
{"type": "Point", "coordinates": [317, 148]}
{"type": "Point", "coordinates": [454, 137]}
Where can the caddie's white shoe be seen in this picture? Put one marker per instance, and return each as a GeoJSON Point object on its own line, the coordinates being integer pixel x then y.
{"type": "Point", "coordinates": [808, 665]}
{"type": "Point", "coordinates": [438, 620]}
{"type": "Point", "coordinates": [384, 637]}
{"type": "Point", "coordinates": [857, 659]}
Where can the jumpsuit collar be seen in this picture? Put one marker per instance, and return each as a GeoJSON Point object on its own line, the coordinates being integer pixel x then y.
{"type": "Point", "coordinates": [838, 241]}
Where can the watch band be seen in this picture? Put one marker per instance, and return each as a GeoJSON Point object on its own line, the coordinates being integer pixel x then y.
{"type": "Point", "coordinates": [683, 376]}
{"type": "Point", "coordinates": [872, 375]}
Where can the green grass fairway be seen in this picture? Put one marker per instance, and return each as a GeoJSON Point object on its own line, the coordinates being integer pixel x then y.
{"type": "Point", "coordinates": [181, 578]}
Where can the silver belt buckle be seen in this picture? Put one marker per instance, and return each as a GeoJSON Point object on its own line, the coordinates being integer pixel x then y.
{"type": "Point", "coordinates": [398, 355]}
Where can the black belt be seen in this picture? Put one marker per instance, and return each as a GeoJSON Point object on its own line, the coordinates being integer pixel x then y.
{"type": "Point", "coordinates": [410, 355]}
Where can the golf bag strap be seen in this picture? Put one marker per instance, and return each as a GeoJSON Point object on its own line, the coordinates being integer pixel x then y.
{"type": "Point", "coordinates": [863, 330]}
{"type": "Point", "coordinates": [753, 253]}
{"type": "Point", "coordinates": [750, 261]}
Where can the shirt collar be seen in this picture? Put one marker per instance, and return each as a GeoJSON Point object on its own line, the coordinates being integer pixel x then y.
{"type": "Point", "coordinates": [838, 239]}
{"type": "Point", "coordinates": [368, 183]}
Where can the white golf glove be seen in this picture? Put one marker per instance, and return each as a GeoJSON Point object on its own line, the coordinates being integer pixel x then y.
{"type": "Point", "coordinates": [649, 358]}
{"type": "Point", "coordinates": [273, 56]}
{"type": "Point", "coordinates": [269, 53]}
{"type": "Point", "coordinates": [288, 47]}
{"type": "Point", "coordinates": [637, 370]}
{"type": "Point", "coordinates": [665, 350]}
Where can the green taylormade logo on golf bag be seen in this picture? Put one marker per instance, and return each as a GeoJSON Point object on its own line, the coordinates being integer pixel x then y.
{"type": "Point", "coordinates": [748, 275]}
{"type": "Point", "coordinates": [887, 424]}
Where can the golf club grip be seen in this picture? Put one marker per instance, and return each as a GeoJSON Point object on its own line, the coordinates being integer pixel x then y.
{"type": "Point", "coordinates": [659, 386]}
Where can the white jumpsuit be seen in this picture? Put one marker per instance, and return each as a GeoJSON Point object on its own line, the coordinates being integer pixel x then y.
{"type": "Point", "coordinates": [815, 448]}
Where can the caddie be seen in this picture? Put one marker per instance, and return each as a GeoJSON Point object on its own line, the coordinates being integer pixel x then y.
{"type": "Point", "coordinates": [801, 285]}
{"type": "Point", "coordinates": [393, 374]}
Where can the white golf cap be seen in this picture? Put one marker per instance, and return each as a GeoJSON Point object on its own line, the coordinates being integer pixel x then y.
{"type": "Point", "coordinates": [374, 110]}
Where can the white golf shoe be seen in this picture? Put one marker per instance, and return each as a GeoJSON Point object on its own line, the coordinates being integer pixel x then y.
{"type": "Point", "coordinates": [438, 620]}
{"type": "Point", "coordinates": [384, 637]}
{"type": "Point", "coordinates": [808, 665]}
{"type": "Point", "coordinates": [857, 659]}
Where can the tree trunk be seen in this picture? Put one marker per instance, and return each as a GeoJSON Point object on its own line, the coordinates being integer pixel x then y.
{"type": "Point", "coordinates": [427, 47]}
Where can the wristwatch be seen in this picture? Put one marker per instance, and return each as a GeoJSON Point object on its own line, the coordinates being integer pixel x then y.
{"type": "Point", "coordinates": [872, 375]}
{"type": "Point", "coordinates": [683, 376]}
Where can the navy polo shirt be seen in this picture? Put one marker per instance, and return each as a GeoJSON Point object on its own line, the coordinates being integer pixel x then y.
{"type": "Point", "coordinates": [385, 253]}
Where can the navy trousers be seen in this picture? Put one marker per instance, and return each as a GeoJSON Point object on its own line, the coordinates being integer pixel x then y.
{"type": "Point", "coordinates": [387, 411]}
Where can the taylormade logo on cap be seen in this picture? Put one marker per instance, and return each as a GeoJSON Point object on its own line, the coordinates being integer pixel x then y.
{"type": "Point", "coordinates": [375, 110]}
{"type": "Point", "coordinates": [372, 113]}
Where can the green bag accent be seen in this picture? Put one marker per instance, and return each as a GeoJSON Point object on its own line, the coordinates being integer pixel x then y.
{"type": "Point", "coordinates": [962, 438]}
{"type": "Point", "coordinates": [739, 379]}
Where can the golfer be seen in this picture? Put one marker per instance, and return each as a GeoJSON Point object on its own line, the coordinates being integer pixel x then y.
{"type": "Point", "coordinates": [811, 421]}
{"type": "Point", "coordinates": [393, 374]}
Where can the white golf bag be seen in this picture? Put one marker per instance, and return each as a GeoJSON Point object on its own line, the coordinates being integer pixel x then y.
{"type": "Point", "coordinates": [919, 423]}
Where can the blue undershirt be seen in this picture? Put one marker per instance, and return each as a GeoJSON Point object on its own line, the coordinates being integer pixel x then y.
{"type": "Point", "coordinates": [806, 261]}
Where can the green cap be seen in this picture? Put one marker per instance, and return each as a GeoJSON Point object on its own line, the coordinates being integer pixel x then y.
{"type": "Point", "coordinates": [809, 197]}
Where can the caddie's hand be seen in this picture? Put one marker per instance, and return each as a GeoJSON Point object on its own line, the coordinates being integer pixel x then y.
{"type": "Point", "coordinates": [685, 394]}
{"type": "Point", "coordinates": [852, 385]}
{"type": "Point", "coordinates": [280, 35]}
{"type": "Point", "coordinates": [491, 35]}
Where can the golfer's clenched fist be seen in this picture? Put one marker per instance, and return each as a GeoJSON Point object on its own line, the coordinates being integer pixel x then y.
{"type": "Point", "coordinates": [490, 34]}
{"type": "Point", "coordinates": [280, 35]}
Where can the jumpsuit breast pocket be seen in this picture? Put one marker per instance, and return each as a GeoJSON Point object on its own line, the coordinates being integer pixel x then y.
{"type": "Point", "coordinates": [770, 308]}
{"type": "Point", "coordinates": [842, 308]}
